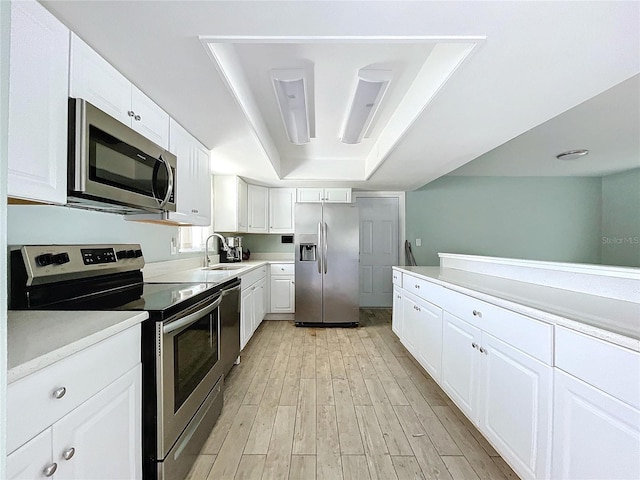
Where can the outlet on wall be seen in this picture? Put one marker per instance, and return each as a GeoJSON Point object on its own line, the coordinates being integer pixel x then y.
{"type": "Point", "coordinates": [418, 242]}
{"type": "Point", "coordinates": [174, 246]}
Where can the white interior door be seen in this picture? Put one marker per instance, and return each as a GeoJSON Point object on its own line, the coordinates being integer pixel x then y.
{"type": "Point", "coordinates": [378, 249]}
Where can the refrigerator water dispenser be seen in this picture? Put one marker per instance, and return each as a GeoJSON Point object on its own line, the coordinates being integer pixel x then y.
{"type": "Point", "coordinates": [308, 252]}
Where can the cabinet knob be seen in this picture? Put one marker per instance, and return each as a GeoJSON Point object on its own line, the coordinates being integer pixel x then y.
{"type": "Point", "coordinates": [484, 350]}
{"type": "Point", "coordinates": [69, 453]}
{"type": "Point", "coordinates": [131, 113]}
{"type": "Point", "coordinates": [50, 470]}
{"type": "Point", "coordinates": [417, 286]}
{"type": "Point", "coordinates": [474, 344]}
{"type": "Point", "coordinates": [59, 392]}
{"type": "Point", "coordinates": [477, 313]}
{"type": "Point", "coordinates": [137, 117]}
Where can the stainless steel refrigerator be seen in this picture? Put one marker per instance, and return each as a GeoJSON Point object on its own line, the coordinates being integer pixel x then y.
{"type": "Point", "coordinates": [327, 264]}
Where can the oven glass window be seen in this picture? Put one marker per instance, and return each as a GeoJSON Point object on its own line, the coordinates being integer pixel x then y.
{"type": "Point", "coordinates": [113, 162]}
{"type": "Point", "coordinates": [195, 353]}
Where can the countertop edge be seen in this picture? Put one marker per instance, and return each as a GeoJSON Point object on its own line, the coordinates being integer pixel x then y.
{"type": "Point", "coordinates": [535, 313]}
{"type": "Point", "coordinates": [42, 361]}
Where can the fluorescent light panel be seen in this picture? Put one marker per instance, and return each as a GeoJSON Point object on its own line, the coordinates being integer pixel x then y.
{"type": "Point", "coordinates": [291, 95]}
{"type": "Point", "coordinates": [371, 87]}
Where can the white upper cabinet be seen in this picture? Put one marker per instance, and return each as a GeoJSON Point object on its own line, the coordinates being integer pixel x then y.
{"type": "Point", "coordinates": [38, 91]}
{"type": "Point", "coordinates": [281, 206]}
{"type": "Point", "coordinates": [229, 204]}
{"type": "Point", "coordinates": [97, 81]}
{"type": "Point", "coordinates": [193, 182]}
{"type": "Point", "coordinates": [258, 209]}
{"type": "Point", "coordinates": [328, 195]}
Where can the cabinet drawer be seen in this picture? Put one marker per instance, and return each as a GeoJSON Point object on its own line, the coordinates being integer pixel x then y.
{"type": "Point", "coordinates": [531, 336]}
{"type": "Point", "coordinates": [251, 277]}
{"type": "Point", "coordinates": [610, 368]}
{"type": "Point", "coordinates": [396, 277]}
{"type": "Point", "coordinates": [424, 289]}
{"type": "Point", "coordinates": [31, 405]}
{"type": "Point", "coordinates": [282, 269]}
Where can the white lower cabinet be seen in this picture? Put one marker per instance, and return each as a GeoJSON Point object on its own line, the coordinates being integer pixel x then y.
{"type": "Point", "coordinates": [504, 392]}
{"type": "Point", "coordinates": [282, 288]}
{"type": "Point", "coordinates": [253, 303]}
{"type": "Point", "coordinates": [397, 321]}
{"type": "Point", "coordinates": [79, 418]}
{"type": "Point", "coordinates": [423, 331]}
{"type": "Point", "coordinates": [461, 363]}
{"type": "Point", "coordinates": [596, 436]}
{"type": "Point", "coordinates": [515, 406]}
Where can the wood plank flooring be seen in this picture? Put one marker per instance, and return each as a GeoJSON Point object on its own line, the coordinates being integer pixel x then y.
{"type": "Point", "coordinates": [340, 404]}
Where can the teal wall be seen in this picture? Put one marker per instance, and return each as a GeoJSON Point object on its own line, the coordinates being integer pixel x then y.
{"type": "Point", "coordinates": [44, 224]}
{"type": "Point", "coordinates": [537, 218]}
{"type": "Point", "coordinates": [265, 243]}
{"type": "Point", "coordinates": [621, 219]}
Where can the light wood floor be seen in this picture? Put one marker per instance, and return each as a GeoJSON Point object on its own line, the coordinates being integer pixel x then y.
{"type": "Point", "coordinates": [336, 403]}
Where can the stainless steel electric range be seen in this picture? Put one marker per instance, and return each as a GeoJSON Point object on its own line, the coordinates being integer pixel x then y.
{"type": "Point", "coordinates": [182, 366]}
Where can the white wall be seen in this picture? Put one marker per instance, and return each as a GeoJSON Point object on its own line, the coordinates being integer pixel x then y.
{"type": "Point", "coordinates": [4, 109]}
{"type": "Point", "coordinates": [42, 224]}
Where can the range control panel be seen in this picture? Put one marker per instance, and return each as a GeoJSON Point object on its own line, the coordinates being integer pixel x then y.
{"type": "Point", "coordinates": [45, 263]}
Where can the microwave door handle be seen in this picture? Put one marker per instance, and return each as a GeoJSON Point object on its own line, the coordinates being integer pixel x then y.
{"type": "Point", "coordinates": [191, 318]}
{"type": "Point", "coordinates": [170, 185]}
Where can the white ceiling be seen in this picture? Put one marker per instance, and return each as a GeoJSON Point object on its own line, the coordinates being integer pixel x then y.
{"type": "Point", "coordinates": [530, 62]}
{"type": "Point", "coordinates": [607, 125]}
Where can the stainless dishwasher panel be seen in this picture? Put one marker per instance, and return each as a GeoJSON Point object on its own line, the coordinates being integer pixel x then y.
{"type": "Point", "coordinates": [230, 326]}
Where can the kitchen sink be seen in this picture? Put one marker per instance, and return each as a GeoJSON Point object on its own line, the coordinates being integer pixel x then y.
{"type": "Point", "coordinates": [225, 267]}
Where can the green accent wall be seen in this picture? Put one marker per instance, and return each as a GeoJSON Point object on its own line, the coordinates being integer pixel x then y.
{"type": "Point", "coordinates": [621, 219]}
{"type": "Point", "coordinates": [537, 218]}
{"type": "Point", "coordinates": [36, 224]}
{"type": "Point", "coordinates": [265, 243]}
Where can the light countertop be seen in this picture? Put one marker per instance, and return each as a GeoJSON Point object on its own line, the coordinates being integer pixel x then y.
{"type": "Point", "coordinates": [39, 338]}
{"type": "Point", "coordinates": [196, 275]}
{"type": "Point", "coordinates": [616, 321]}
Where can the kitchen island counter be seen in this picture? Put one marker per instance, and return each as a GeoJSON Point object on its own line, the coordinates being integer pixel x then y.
{"type": "Point", "coordinates": [616, 321]}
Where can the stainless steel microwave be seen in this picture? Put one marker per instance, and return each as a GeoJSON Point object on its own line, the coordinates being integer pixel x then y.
{"type": "Point", "coordinates": [112, 167]}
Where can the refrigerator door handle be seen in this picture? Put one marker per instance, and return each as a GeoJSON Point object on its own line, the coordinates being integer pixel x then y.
{"type": "Point", "coordinates": [325, 247]}
{"type": "Point", "coordinates": [320, 243]}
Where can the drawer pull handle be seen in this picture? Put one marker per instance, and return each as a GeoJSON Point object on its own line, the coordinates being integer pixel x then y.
{"type": "Point", "coordinates": [50, 470]}
{"type": "Point", "coordinates": [474, 344]}
{"type": "Point", "coordinates": [59, 392]}
{"type": "Point", "coordinates": [68, 454]}
{"type": "Point", "coordinates": [477, 313]}
{"type": "Point", "coordinates": [484, 350]}
{"type": "Point", "coordinates": [417, 286]}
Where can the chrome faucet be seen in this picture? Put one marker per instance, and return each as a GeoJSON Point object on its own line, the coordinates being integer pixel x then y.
{"type": "Point", "coordinates": [225, 247]}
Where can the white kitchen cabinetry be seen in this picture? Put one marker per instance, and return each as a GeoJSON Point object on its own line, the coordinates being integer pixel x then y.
{"type": "Point", "coordinates": [258, 209]}
{"type": "Point", "coordinates": [97, 81]}
{"type": "Point", "coordinates": [281, 210]}
{"type": "Point", "coordinates": [80, 417]}
{"type": "Point", "coordinates": [596, 412]}
{"type": "Point", "coordinates": [504, 390]}
{"type": "Point", "coordinates": [193, 182]}
{"type": "Point", "coordinates": [253, 300]}
{"type": "Point", "coordinates": [38, 99]}
{"type": "Point", "coordinates": [328, 195]}
{"type": "Point", "coordinates": [282, 288]}
{"type": "Point", "coordinates": [397, 322]}
{"type": "Point", "coordinates": [229, 203]}
{"type": "Point", "coordinates": [423, 332]}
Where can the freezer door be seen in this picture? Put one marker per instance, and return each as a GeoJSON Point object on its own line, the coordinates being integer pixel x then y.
{"type": "Point", "coordinates": [308, 284]}
{"type": "Point", "coordinates": [341, 256]}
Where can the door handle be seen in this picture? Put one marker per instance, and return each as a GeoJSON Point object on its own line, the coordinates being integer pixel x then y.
{"type": "Point", "coordinates": [320, 243]}
{"type": "Point", "coordinates": [325, 248]}
{"type": "Point", "coordinates": [191, 318]}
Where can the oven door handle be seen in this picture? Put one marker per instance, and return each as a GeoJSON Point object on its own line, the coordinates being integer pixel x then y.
{"type": "Point", "coordinates": [227, 291]}
{"type": "Point", "coordinates": [192, 317]}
